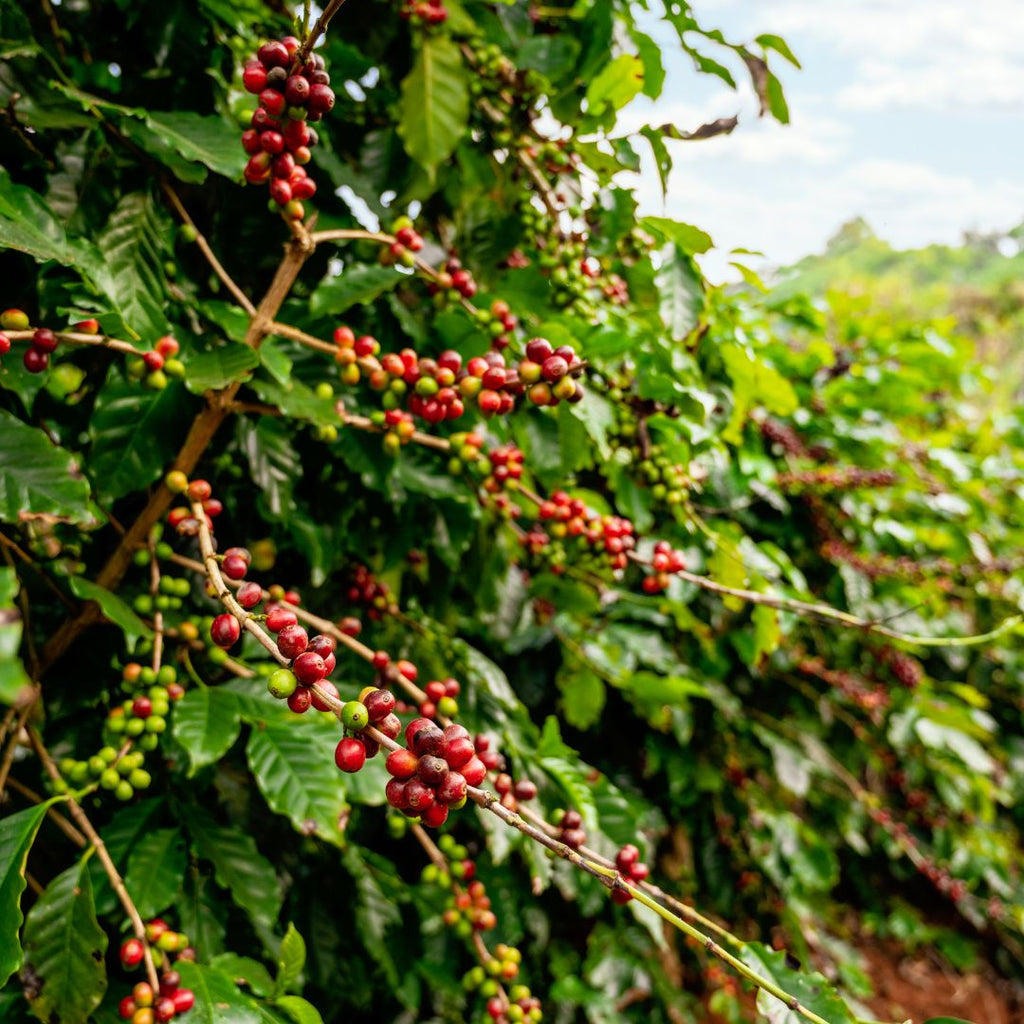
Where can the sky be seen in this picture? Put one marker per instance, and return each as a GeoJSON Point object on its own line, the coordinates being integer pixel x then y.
{"type": "Point", "coordinates": [909, 113]}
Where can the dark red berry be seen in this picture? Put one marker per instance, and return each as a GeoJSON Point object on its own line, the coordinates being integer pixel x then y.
{"type": "Point", "coordinates": [225, 631]}
{"type": "Point", "coordinates": [300, 701]}
{"type": "Point", "coordinates": [249, 595]}
{"type": "Point", "coordinates": [296, 91]}
{"type": "Point", "coordinates": [380, 703]}
{"type": "Point", "coordinates": [142, 707]}
{"type": "Point", "coordinates": [418, 796]}
{"type": "Point", "coordinates": [452, 788]}
{"type": "Point", "coordinates": [44, 340]}
{"type": "Point", "coordinates": [234, 567]}
{"type": "Point", "coordinates": [432, 769]}
{"type": "Point", "coordinates": [474, 771]}
{"type": "Point", "coordinates": [435, 815]}
{"type": "Point", "coordinates": [457, 751]}
{"type": "Point", "coordinates": [428, 741]}
{"type": "Point", "coordinates": [292, 641]}
{"type": "Point", "coordinates": [321, 99]}
{"type": "Point", "coordinates": [309, 668]}
{"type": "Point", "coordinates": [35, 360]}
{"type": "Point", "coordinates": [273, 54]}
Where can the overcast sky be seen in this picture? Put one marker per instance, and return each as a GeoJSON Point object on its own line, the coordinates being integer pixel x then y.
{"type": "Point", "coordinates": [907, 112]}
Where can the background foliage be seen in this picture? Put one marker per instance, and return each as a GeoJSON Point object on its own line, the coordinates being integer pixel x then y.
{"type": "Point", "coordinates": [805, 781]}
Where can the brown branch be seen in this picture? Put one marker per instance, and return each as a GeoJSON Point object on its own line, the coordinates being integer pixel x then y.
{"type": "Point", "coordinates": [78, 338]}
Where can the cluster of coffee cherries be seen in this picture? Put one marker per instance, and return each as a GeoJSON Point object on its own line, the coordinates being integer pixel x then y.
{"type": "Point", "coordinates": [425, 13]}
{"type": "Point", "coordinates": [499, 322]}
{"type": "Point", "coordinates": [405, 246]}
{"type": "Point", "coordinates": [121, 775]}
{"type": "Point", "coordinates": [841, 478]}
{"type": "Point", "coordinates": [632, 869]}
{"type": "Point", "coordinates": [144, 1006]}
{"type": "Point", "coordinates": [372, 593]}
{"type": "Point", "coordinates": [664, 561]}
{"type": "Point", "coordinates": [181, 518]}
{"type": "Point", "coordinates": [155, 367]}
{"type": "Point", "coordinates": [439, 389]}
{"type": "Point", "coordinates": [520, 1005]}
{"type": "Point", "coordinates": [503, 466]}
{"type": "Point", "coordinates": [376, 706]}
{"type": "Point", "coordinates": [667, 479]}
{"type": "Point", "coordinates": [570, 829]}
{"type": "Point", "coordinates": [305, 684]}
{"type": "Point", "coordinates": [469, 910]}
{"type": "Point", "coordinates": [279, 140]}
{"type": "Point", "coordinates": [432, 772]}
{"type": "Point", "coordinates": [453, 282]}
{"type": "Point", "coordinates": [873, 699]}
{"type": "Point", "coordinates": [906, 668]}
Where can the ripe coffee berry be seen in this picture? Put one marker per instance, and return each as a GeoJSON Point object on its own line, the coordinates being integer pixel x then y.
{"type": "Point", "coordinates": [278, 617]}
{"type": "Point", "coordinates": [132, 952]}
{"type": "Point", "coordinates": [225, 631]}
{"type": "Point", "coordinates": [350, 754]}
{"type": "Point", "coordinates": [379, 704]}
{"type": "Point", "coordinates": [249, 595]}
{"type": "Point", "coordinates": [309, 668]}
{"type": "Point", "coordinates": [292, 641]}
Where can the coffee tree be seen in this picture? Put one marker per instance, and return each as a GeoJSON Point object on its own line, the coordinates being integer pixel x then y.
{"type": "Point", "coordinates": [426, 595]}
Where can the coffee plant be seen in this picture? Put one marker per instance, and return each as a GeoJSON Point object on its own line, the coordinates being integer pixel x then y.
{"type": "Point", "coordinates": [425, 595]}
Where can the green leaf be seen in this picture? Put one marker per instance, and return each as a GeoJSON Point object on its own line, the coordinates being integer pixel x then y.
{"type": "Point", "coordinates": [135, 434]}
{"type": "Point", "coordinates": [679, 285]}
{"type": "Point", "coordinates": [583, 696]}
{"type": "Point", "coordinates": [687, 238]}
{"type": "Point", "coordinates": [37, 476]}
{"type": "Point", "coordinates": [208, 140]}
{"type": "Point", "coordinates": [219, 367]}
{"type": "Point", "coordinates": [553, 55]}
{"type": "Point", "coordinates": [28, 225]}
{"type": "Point", "coordinates": [812, 990]}
{"type": "Point", "coordinates": [293, 761]}
{"type": "Point", "coordinates": [156, 869]}
{"type": "Point", "coordinates": [17, 832]}
{"type": "Point", "coordinates": [376, 910]}
{"type": "Point", "coordinates": [435, 103]}
{"type": "Point", "coordinates": [356, 285]}
{"type": "Point", "coordinates": [218, 999]}
{"type": "Point", "coordinates": [131, 274]}
{"type": "Point", "coordinates": [65, 947]}
{"type": "Point", "coordinates": [779, 45]}
{"type": "Point", "coordinates": [206, 723]}
{"type": "Point", "coordinates": [662, 157]}
{"type": "Point", "coordinates": [120, 836]}
{"type": "Point", "coordinates": [300, 1010]}
{"type": "Point", "coordinates": [14, 681]}
{"type": "Point", "coordinates": [649, 53]}
{"type": "Point", "coordinates": [113, 608]}
{"type": "Point", "coordinates": [616, 84]}
{"type": "Point", "coordinates": [238, 867]}
{"type": "Point", "coordinates": [245, 971]}
{"type": "Point", "coordinates": [290, 961]}
{"type": "Point", "coordinates": [272, 461]}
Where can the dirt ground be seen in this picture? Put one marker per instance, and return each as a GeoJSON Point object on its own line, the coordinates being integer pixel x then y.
{"type": "Point", "coordinates": [922, 986]}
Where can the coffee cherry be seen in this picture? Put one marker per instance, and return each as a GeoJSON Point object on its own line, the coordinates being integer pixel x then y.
{"type": "Point", "coordinates": [354, 715]}
{"type": "Point", "coordinates": [282, 683]}
{"type": "Point", "coordinates": [309, 668]}
{"type": "Point", "coordinates": [126, 1008]}
{"type": "Point", "coordinates": [474, 771]}
{"type": "Point", "coordinates": [132, 952]}
{"type": "Point", "coordinates": [14, 320]}
{"type": "Point", "coordinates": [418, 796]}
{"type": "Point", "coordinates": [434, 815]}
{"type": "Point", "coordinates": [35, 360]}
{"type": "Point", "coordinates": [44, 340]}
{"type": "Point", "coordinates": [428, 740]}
{"type": "Point", "coordinates": [292, 641]}
{"type": "Point", "coordinates": [379, 704]}
{"type": "Point", "coordinates": [143, 994]}
{"type": "Point", "coordinates": [249, 595]}
{"type": "Point", "coordinates": [432, 770]}
{"type": "Point", "coordinates": [234, 567]}
{"type": "Point", "coordinates": [402, 763]}
{"type": "Point", "coordinates": [452, 788]}
{"type": "Point", "coordinates": [457, 750]}
{"type": "Point", "coordinates": [350, 754]}
{"type": "Point", "coordinates": [626, 858]}
{"type": "Point", "coordinates": [300, 701]}
{"type": "Point", "coordinates": [225, 631]}
{"type": "Point", "coordinates": [279, 617]}
{"type": "Point", "coordinates": [184, 998]}
{"type": "Point", "coordinates": [142, 707]}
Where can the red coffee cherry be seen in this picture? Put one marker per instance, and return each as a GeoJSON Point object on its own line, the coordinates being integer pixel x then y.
{"type": "Point", "coordinates": [292, 641]}
{"type": "Point", "coordinates": [309, 668]}
{"type": "Point", "coordinates": [225, 631]}
{"type": "Point", "coordinates": [350, 754]}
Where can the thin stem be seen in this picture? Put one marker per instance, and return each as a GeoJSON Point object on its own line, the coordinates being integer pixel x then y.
{"type": "Point", "coordinates": [116, 882]}
{"type": "Point", "coordinates": [78, 338]}
{"type": "Point", "coordinates": [51, 812]}
{"type": "Point", "coordinates": [218, 268]}
{"type": "Point", "coordinates": [317, 31]}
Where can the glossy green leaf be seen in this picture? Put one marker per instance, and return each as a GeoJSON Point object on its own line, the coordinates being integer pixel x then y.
{"type": "Point", "coordinates": [812, 990]}
{"type": "Point", "coordinates": [135, 434]}
{"type": "Point", "coordinates": [36, 476]}
{"type": "Point", "coordinates": [65, 947]}
{"type": "Point", "coordinates": [218, 998]}
{"type": "Point", "coordinates": [14, 680]}
{"type": "Point", "coordinates": [113, 607]}
{"type": "Point", "coordinates": [293, 762]}
{"type": "Point", "coordinates": [618, 83]}
{"type": "Point", "coordinates": [156, 868]}
{"type": "Point", "coordinates": [219, 367]}
{"type": "Point", "coordinates": [290, 961]}
{"type": "Point", "coordinates": [356, 285]}
{"type": "Point", "coordinates": [17, 832]}
{"type": "Point", "coordinates": [239, 868]}
{"type": "Point", "coordinates": [299, 1010]}
{"type": "Point", "coordinates": [435, 103]}
{"type": "Point", "coordinates": [206, 722]}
